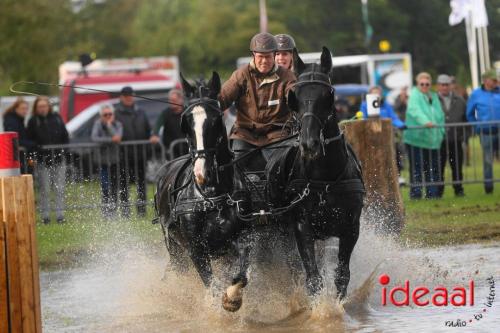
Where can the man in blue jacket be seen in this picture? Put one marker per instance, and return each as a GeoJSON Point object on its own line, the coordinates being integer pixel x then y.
{"type": "Point", "coordinates": [484, 106]}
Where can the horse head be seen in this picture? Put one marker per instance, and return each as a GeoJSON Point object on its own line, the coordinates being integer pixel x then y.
{"type": "Point", "coordinates": [313, 99]}
{"type": "Point", "coordinates": [202, 123]}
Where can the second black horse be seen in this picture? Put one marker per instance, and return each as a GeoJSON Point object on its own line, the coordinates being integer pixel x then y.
{"type": "Point", "coordinates": [322, 176]}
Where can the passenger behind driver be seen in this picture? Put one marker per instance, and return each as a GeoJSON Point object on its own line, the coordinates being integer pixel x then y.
{"type": "Point", "coordinates": [284, 53]}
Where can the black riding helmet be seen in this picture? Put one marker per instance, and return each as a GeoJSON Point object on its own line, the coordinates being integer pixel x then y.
{"type": "Point", "coordinates": [285, 42]}
{"type": "Point", "coordinates": [263, 42]}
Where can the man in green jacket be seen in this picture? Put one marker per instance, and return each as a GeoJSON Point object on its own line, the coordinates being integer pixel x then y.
{"type": "Point", "coordinates": [423, 144]}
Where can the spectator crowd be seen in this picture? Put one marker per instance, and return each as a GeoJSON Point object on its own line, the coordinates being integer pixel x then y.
{"type": "Point", "coordinates": [434, 134]}
{"type": "Point", "coordinates": [420, 116]}
{"type": "Point", "coordinates": [43, 153]}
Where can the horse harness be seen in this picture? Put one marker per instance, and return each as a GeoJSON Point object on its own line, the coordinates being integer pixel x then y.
{"type": "Point", "coordinates": [329, 191]}
{"type": "Point", "coordinates": [204, 204]}
{"type": "Point", "coordinates": [325, 190]}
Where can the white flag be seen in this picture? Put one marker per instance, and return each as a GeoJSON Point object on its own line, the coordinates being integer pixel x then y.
{"type": "Point", "coordinates": [460, 9]}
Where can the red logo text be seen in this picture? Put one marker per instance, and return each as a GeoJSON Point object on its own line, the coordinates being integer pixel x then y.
{"type": "Point", "coordinates": [422, 296]}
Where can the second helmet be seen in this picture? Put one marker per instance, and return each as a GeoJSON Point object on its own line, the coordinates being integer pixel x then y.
{"type": "Point", "coordinates": [285, 42]}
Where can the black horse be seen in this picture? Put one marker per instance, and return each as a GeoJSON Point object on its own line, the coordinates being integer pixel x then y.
{"type": "Point", "coordinates": [321, 177]}
{"type": "Point", "coordinates": [196, 198]}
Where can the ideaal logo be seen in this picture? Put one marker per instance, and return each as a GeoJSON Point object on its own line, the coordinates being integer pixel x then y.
{"type": "Point", "coordinates": [439, 296]}
{"type": "Point", "coordinates": [423, 296]}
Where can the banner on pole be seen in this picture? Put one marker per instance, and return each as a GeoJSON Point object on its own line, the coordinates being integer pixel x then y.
{"type": "Point", "coordinates": [461, 8]}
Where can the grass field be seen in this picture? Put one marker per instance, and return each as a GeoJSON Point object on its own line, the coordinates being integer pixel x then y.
{"type": "Point", "coordinates": [86, 233]}
{"type": "Point", "coordinates": [455, 220]}
{"type": "Point", "coordinates": [447, 221]}
{"type": "Point", "coordinates": [451, 220]}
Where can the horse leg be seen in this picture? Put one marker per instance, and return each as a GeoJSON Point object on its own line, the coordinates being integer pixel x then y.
{"type": "Point", "coordinates": [305, 245]}
{"type": "Point", "coordinates": [175, 251]}
{"type": "Point", "coordinates": [347, 241]}
{"type": "Point", "coordinates": [291, 256]}
{"type": "Point", "coordinates": [201, 260]}
{"type": "Point", "coordinates": [233, 297]}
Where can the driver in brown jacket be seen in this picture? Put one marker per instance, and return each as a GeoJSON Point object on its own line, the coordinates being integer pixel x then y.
{"type": "Point", "coordinates": [259, 91]}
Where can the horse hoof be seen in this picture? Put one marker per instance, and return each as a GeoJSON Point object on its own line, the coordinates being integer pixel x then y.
{"type": "Point", "coordinates": [231, 305]}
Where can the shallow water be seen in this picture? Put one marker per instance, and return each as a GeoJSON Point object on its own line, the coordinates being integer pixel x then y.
{"type": "Point", "coordinates": [131, 289]}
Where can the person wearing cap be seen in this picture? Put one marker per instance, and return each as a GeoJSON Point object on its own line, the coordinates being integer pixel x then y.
{"type": "Point", "coordinates": [132, 158]}
{"type": "Point", "coordinates": [284, 53]}
{"type": "Point", "coordinates": [484, 106]}
{"type": "Point", "coordinates": [451, 150]}
{"type": "Point", "coordinates": [259, 91]}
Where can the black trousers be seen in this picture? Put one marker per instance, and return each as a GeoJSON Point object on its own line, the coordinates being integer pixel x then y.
{"type": "Point", "coordinates": [452, 152]}
{"type": "Point", "coordinates": [133, 171]}
{"type": "Point", "coordinates": [254, 162]}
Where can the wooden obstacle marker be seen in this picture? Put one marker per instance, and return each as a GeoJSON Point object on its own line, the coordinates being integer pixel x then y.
{"type": "Point", "coordinates": [19, 275]}
{"type": "Point", "coordinates": [372, 140]}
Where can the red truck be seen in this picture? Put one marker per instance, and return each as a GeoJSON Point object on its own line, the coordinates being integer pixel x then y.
{"type": "Point", "coordinates": [151, 77]}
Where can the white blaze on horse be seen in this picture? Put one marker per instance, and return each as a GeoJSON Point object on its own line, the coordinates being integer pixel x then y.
{"type": "Point", "coordinates": [199, 117]}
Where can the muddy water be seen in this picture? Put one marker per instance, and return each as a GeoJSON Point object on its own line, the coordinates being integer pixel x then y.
{"type": "Point", "coordinates": [131, 289]}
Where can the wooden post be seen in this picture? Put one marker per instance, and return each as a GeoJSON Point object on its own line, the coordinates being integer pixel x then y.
{"type": "Point", "coordinates": [19, 275]}
{"type": "Point", "coordinates": [373, 142]}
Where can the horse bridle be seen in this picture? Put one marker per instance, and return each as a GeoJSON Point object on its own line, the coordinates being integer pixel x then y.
{"type": "Point", "coordinates": [195, 154]}
{"type": "Point", "coordinates": [313, 77]}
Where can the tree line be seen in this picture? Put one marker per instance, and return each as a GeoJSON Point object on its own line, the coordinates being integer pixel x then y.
{"type": "Point", "coordinates": [37, 35]}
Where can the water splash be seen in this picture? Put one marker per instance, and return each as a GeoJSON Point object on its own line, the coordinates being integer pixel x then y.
{"type": "Point", "coordinates": [130, 286]}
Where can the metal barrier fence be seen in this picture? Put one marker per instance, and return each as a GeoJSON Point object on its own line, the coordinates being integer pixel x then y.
{"type": "Point", "coordinates": [92, 175]}
{"type": "Point", "coordinates": [467, 154]}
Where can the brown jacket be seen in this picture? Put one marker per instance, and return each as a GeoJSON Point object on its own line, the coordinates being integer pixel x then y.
{"type": "Point", "coordinates": [260, 103]}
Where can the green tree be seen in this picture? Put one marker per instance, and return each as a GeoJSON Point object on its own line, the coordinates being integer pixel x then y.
{"type": "Point", "coordinates": [37, 35]}
{"type": "Point", "coordinates": [104, 27]}
{"type": "Point", "coordinates": [34, 35]}
{"type": "Point", "coordinates": [207, 35]}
